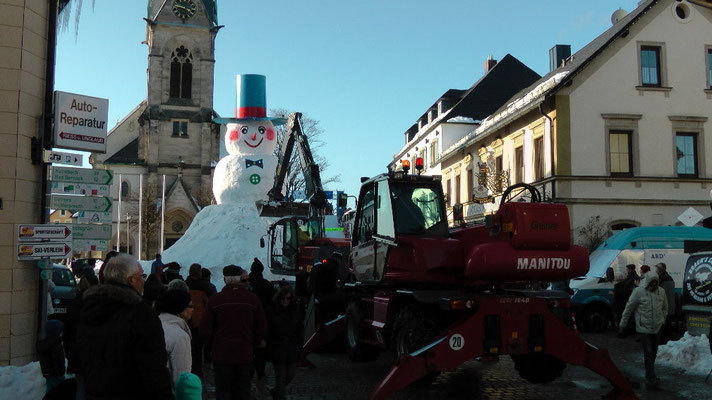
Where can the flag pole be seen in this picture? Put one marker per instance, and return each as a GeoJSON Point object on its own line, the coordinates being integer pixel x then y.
{"type": "Point", "coordinates": [163, 210]}
{"type": "Point", "coordinates": [140, 213]}
{"type": "Point", "coordinates": [118, 218]}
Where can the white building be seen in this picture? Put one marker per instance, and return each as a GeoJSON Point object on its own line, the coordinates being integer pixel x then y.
{"type": "Point", "coordinates": [617, 131]}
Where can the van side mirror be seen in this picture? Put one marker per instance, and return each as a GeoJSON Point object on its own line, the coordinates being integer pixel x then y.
{"type": "Point", "coordinates": [262, 242]}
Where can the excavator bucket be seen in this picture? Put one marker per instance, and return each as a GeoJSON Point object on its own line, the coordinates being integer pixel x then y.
{"type": "Point", "coordinates": [282, 209]}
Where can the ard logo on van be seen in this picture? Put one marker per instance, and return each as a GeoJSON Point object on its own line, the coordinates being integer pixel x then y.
{"type": "Point", "coordinates": [657, 256]}
{"type": "Point", "coordinates": [698, 280]}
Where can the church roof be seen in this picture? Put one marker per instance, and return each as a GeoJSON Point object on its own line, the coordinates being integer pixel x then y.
{"type": "Point", "coordinates": [211, 9]}
{"type": "Point", "coordinates": [127, 155]}
{"type": "Point", "coordinates": [178, 184]}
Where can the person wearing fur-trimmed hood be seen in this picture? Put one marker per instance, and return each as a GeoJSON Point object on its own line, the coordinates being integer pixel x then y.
{"type": "Point", "coordinates": [175, 308]}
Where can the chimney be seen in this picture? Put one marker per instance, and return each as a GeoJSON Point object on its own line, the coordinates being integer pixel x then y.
{"type": "Point", "coordinates": [558, 54]}
{"type": "Point", "coordinates": [489, 63]}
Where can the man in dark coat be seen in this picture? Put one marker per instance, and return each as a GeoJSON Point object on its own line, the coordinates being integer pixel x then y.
{"type": "Point", "coordinates": [121, 351]}
{"type": "Point", "coordinates": [264, 291]}
{"type": "Point", "coordinates": [667, 284]}
{"type": "Point", "coordinates": [200, 291]}
{"type": "Point", "coordinates": [233, 325]}
{"type": "Point", "coordinates": [622, 291]}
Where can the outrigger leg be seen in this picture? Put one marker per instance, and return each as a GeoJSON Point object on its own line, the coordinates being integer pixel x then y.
{"type": "Point", "coordinates": [464, 340]}
{"type": "Point", "coordinates": [324, 334]}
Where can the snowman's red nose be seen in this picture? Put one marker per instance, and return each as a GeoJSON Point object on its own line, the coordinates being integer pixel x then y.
{"type": "Point", "coordinates": [254, 136]}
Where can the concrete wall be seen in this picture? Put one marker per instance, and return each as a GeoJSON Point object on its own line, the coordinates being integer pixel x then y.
{"type": "Point", "coordinates": [23, 43]}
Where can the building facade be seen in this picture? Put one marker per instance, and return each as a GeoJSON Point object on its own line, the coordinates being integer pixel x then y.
{"type": "Point", "coordinates": [25, 48]}
{"type": "Point", "coordinates": [618, 131]}
{"type": "Point", "coordinates": [169, 134]}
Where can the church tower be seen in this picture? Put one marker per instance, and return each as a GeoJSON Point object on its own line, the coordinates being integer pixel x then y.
{"type": "Point", "coordinates": [176, 126]}
{"type": "Point", "coordinates": [170, 133]}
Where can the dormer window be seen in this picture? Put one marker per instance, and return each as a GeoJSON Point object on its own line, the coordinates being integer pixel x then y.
{"type": "Point", "coordinates": [181, 73]}
{"type": "Point", "coordinates": [433, 115]}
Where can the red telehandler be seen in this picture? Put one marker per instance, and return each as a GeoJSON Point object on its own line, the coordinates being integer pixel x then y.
{"type": "Point", "coordinates": [439, 297]}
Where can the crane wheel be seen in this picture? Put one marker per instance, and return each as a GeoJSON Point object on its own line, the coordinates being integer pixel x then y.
{"type": "Point", "coordinates": [413, 330]}
{"type": "Point", "coordinates": [537, 367]}
{"type": "Point", "coordinates": [356, 332]}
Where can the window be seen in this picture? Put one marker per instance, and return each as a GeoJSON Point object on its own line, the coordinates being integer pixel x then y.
{"type": "Point", "coordinates": [519, 165]}
{"type": "Point", "coordinates": [384, 211]}
{"type": "Point", "coordinates": [538, 158]}
{"type": "Point", "coordinates": [498, 171]}
{"type": "Point", "coordinates": [180, 128]}
{"type": "Point", "coordinates": [425, 157]}
{"type": "Point", "coordinates": [650, 66]}
{"type": "Point", "coordinates": [365, 224]}
{"type": "Point", "coordinates": [686, 149]}
{"type": "Point", "coordinates": [434, 155]}
{"type": "Point", "coordinates": [709, 68]}
{"type": "Point", "coordinates": [457, 189]}
{"type": "Point", "coordinates": [448, 191]}
{"type": "Point", "coordinates": [181, 73]}
{"type": "Point", "coordinates": [620, 153]}
{"type": "Point", "coordinates": [470, 183]}
{"type": "Point", "coordinates": [124, 190]}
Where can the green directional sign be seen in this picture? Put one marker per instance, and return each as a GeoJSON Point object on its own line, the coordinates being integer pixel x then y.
{"type": "Point", "coordinates": [80, 175]}
{"type": "Point", "coordinates": [91, 231]}
{"type": "Point", "coordinates": [65, 202]}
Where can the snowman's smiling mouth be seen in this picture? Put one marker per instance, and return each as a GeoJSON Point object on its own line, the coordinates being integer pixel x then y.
{"type": "Point", "coordinates": [258, 143]}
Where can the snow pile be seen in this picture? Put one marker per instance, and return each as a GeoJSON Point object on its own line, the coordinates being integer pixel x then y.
{"type": "Point", "coordinates": [691, 353]}
{"type": "Point", "coordinates": [24, 382]}
{"type": "Point", "coordinates": [221, 235]}
{"type": "Point", "coordinates": [462, 119]}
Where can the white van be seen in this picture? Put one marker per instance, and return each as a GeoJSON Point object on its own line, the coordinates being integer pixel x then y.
{"type": "Point", "coordinates": [593, 294]}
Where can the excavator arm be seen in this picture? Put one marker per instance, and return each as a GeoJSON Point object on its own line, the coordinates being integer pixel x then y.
{"type": "Point", "coordinates": [276, 204]}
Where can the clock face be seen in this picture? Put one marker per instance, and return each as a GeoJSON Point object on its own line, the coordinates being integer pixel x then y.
{"type": "Point", "coordinates": [184, 9]}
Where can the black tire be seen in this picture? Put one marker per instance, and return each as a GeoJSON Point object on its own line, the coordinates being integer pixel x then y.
{"type": "Point", "coordinates": [411, 331]}
{"type": "Point", "coordinates": [596, 319]}
{"type": "Point", "coordinates": [538, 368]}
{"type": "Point", "coordinates": [356, 331]}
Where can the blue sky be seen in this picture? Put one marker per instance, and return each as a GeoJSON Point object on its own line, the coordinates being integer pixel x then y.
{"type": "Point", "coordinates": [365, 69]}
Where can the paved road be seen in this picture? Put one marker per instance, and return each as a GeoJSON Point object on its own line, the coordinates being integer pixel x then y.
{"type": "Point", "coordinates": [335, 377]}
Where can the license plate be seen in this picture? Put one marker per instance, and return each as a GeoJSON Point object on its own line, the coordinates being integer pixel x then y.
{"type": "Point", "coordinates": [60, 310]}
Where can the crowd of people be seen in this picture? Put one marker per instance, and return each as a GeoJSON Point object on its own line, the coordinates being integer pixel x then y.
{"type": "Point", "coordinates": [129, 335]}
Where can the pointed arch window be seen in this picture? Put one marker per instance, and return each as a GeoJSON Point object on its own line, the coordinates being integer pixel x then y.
{"type": "Point", "coordinates": [181, 73]}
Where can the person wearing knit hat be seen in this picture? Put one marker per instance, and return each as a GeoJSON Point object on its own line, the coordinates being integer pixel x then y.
{"type": "Point", "coordinates": [189, 387]}
{"type": "Point", "coordinates": [175, 308]}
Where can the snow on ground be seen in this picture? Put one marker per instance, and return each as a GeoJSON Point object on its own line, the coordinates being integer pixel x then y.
{"type": "Point", "coordinates": [221, 235]}
{"type": "Point", "coordinates": [690, 353]}
{"type": "Point", "coordinates": [25, 382]}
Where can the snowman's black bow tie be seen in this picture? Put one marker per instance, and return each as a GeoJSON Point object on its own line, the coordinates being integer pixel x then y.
{"type": "Point", "coordinates": [250, 163]}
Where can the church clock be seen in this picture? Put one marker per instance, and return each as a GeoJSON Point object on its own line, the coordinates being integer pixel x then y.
{"type": "Point", "coordinates": [184, 9]}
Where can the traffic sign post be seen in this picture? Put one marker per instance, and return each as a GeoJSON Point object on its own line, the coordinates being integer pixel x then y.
{"type": "Point", "coordinates": [65, 202]}
{"type": "Point", "coordinates": [36, 251]}
{"type": "Point", "coordinates": [43, 232]}
{"type": "Point", "coordinates": [60, 157]}
{"type": "Point", "coordinates": [79, 188]}
{"type": "Point", "coordinates": [80, 122]}
{"type": "Point", "coordinates": [96, 217]}
{"type": "Point", "coordinates": [80, 175]}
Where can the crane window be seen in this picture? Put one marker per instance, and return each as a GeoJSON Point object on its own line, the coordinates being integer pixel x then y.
{"type": "Point", "coordinates": [384, 213]}
{"type": "Point", "coordinates": [364, 228]}
{"type": "Point", "coordinates": [418, 210]}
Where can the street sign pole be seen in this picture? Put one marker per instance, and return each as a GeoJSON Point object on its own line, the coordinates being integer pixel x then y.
{"type": "Point", "coordinates": [118, 217]}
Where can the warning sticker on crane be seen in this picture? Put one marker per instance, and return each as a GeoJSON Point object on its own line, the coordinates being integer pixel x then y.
{"type": "Point", "coordinates": [457, 342]}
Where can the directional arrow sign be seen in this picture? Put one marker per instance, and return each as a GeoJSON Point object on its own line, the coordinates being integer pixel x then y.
{"type": "Point", "coordinates": [35, 251]}
{"type": "Point", "coordinates": [90, 231]}
{"type": "Point", "coordinates": [80, 188]}
{"type": "Point", "coordinates": [60, 157]}
{"type": "Point", "coordinates": [43, 232]}
{"type": "Point", "coordinates": [62, 202]}
{"type": "Point", "coordinates": [97, 217]}
{"type": "Point", "coordinates": [80, 175]}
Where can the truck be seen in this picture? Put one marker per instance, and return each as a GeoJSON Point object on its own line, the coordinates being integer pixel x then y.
{"type": "Point", "coordinates": [592, 301]}
{"type": "Point", "coordinates": [298, 239]}
{"type": "Point", "coordinates": [440, 296]}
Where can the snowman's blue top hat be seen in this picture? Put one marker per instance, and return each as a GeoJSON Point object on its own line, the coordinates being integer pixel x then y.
{"type": "Point", "coordinates": [251, 101]}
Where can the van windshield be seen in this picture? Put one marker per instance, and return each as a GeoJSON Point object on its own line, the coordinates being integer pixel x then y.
{"type": "Point", "coordinates": [599, 260]}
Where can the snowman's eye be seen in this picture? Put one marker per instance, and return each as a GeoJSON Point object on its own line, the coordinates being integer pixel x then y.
{"type": "Point", "coordinates": [261, 130]}
{"type": "Point", "coordinates": [244, 130]}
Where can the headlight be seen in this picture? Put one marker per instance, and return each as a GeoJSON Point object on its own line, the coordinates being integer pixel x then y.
{"type": "Point", "coordinates": [55, 301]}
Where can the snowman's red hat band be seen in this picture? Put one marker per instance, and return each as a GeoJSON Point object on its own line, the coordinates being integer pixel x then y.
{"type": "Point", "coordinates": [250, 112]}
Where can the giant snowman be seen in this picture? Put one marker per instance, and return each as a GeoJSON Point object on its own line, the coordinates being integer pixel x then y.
{"type": "Point", "coordinates": [229, 232]}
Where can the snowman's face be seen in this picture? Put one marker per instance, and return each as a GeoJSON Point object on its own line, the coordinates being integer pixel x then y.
{"type": "Point", "coordinates": [251, 137]}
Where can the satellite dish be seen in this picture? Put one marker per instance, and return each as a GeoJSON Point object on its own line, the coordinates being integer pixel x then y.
{"type": "Point", "coordinates": [618, 15]}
